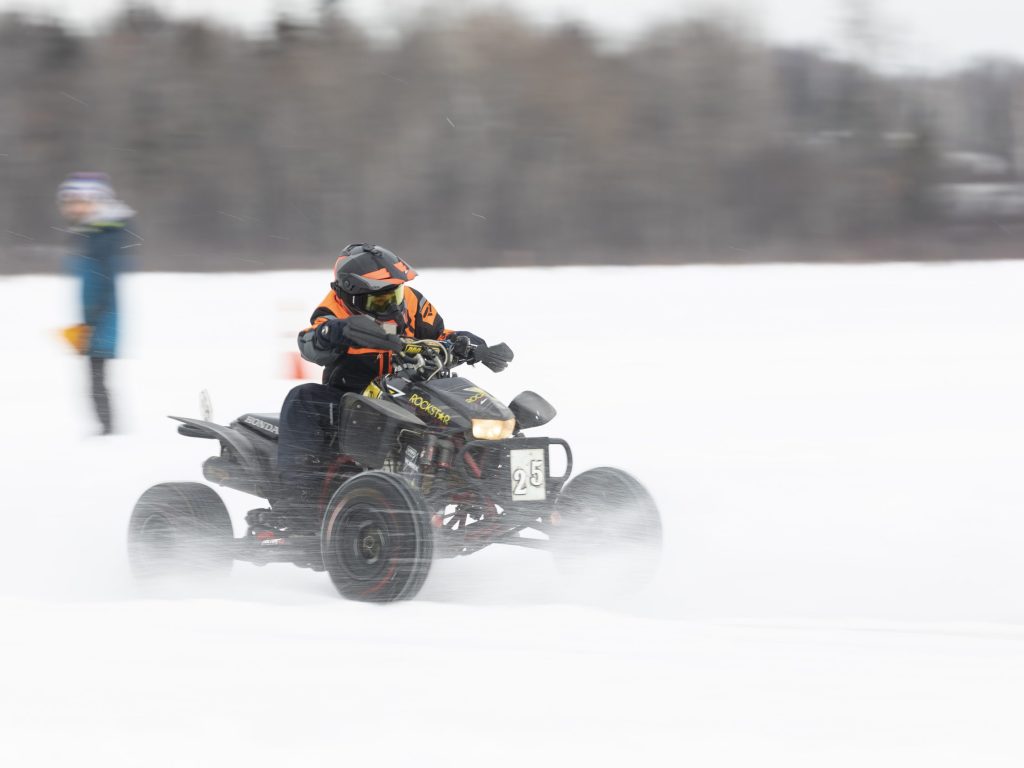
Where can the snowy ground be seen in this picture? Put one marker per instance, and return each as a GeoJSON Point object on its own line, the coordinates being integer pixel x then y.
{"type": "Point", "coordinates": [835, 451]}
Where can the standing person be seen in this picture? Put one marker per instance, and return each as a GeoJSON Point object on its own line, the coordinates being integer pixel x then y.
{"type": "Point", "coordinates": [98, 221]}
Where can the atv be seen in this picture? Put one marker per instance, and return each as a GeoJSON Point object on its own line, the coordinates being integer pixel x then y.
{"type": "Point", "coordinates": [424, 465]}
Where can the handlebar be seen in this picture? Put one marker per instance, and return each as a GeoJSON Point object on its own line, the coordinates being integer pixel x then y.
{"type": "Point", "coordinates": [427, 358]}
{"type": "Point", "coordinates": [424, 358]}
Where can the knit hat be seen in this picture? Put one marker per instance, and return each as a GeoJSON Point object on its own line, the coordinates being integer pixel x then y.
{"type": "Point", "coordinates": [96, 188]}
{"type": "Point", "coordinates": [85, 186]}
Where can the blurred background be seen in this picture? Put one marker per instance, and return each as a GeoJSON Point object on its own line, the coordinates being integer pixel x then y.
{"type": "Point", "coordinates": [269, 134]}
{"type": "Point", "coordinates": [835, 450]}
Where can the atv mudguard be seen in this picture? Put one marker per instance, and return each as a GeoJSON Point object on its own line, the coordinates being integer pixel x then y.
{"type": "Point", "coordinates": [241, 464]}
{"type": "Point", "coordinates": [207, 429]}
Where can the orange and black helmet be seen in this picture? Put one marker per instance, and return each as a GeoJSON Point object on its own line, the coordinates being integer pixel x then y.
{"type": "Point", "coordinates": [368, 279]}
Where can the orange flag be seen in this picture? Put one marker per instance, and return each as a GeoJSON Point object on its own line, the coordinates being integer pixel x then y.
{"type": "Point", "coordinates": [78, 337]}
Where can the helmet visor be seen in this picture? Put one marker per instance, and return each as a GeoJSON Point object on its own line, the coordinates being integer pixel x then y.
{"type": "Point", "coordinates": [384, 302]}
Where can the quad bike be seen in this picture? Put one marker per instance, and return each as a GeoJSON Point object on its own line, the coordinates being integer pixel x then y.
{"type": "Point", "coordinates": [425, 465]}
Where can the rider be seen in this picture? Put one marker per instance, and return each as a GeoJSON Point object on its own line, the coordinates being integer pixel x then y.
{"type": "Point", "coordinates": [368, 280]}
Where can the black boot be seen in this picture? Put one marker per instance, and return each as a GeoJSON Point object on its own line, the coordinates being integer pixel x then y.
{"type": "Point", "coordinates": [298, 513]}
{"type": "Point", "coordinates": [297, 503]}
{"type": "Point", "coordinates": [100, 395]}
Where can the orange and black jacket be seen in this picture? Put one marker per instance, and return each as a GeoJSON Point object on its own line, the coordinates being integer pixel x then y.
{"type": "Point", "coordinates": [351, 368]}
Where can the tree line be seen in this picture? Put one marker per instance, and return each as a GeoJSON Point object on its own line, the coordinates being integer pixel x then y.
{"type": "Point", "coordinates": [481, 140]}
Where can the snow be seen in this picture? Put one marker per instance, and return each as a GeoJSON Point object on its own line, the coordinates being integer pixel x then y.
{"type": "Point", "coordinates": [835, 452]}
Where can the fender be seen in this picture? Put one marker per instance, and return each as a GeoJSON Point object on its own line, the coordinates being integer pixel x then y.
{"type": "Point", "coordinates": [243, 469]}
{"type": "Point", "coordinates": [239, 443]}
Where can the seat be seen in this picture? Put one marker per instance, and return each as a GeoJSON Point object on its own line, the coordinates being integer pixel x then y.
{"type": "Point", "coordinates": [266, 424]}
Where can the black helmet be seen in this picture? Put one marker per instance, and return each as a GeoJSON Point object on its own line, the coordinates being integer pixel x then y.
{"type": "Point", "coordinates": [369, 280]}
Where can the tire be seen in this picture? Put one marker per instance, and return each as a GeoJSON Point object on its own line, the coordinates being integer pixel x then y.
{"type": "Point", "coordinates": [608, 530]}
{"type": "Point", "coordinates": [180, 530]}
{"type": "Point", "coordinates": [377, 541]}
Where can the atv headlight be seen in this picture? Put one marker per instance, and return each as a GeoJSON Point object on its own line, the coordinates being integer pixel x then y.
{"type": "Point", "coordinates": [493, 429]}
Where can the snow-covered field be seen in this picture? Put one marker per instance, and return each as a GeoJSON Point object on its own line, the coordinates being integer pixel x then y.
{"type": "Point", "coordinates": [836, 452]}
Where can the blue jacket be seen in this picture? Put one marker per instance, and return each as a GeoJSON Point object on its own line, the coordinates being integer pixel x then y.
{"type": "Point", "coordinates": [98, 263]}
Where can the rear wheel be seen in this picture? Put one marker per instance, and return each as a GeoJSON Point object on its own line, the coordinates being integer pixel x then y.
{"type": "Point", "coordinates": [180, 529]}
{"type": "Point", "coordinates": [607, 530]}
{"type": "Point", "coordinates": [376, 541]}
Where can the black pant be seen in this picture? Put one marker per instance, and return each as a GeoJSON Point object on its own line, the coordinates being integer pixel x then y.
{"type": "Point", "coordinates": [309, 419]}
{"type": "Point", "coordinates": [100, 396]}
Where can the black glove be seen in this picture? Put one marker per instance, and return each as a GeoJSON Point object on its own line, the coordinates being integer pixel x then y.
{"type": "Point", "coordinates": [497, 357]}
{"type": "Point", "coordinates": [330, 334]}
{"type": "Point", "coordinates": [471, 348]}
{"type": "Point", "coordinates": [468, 346]}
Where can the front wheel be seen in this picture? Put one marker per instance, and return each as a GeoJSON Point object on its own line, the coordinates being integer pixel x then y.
{"type": "Point", "coordinates": [180, 529]}
{"type": "Point", "coordinates": [607, 530]}
{"type": "Point", "coordinates": [377, 541]}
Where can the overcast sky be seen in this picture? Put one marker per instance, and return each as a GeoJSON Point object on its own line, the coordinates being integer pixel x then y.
{"type": "Point", "coordinates": [920, 33]}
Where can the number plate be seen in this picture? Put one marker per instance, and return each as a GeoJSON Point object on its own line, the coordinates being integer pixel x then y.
{"type": "Point", "coordinates": [529, 474]}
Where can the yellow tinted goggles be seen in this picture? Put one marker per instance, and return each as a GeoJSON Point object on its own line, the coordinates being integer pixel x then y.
{"type": "Point", "coordinates": [383, 302]}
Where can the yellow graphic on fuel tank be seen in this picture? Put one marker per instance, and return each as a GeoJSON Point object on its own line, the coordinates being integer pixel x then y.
{"type": "Point", "coordinates": [430, 409]}
{"type": "Point", "coordinates": [479, 394]}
